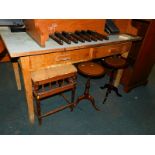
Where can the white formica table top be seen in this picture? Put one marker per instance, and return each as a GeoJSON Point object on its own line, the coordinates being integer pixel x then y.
{"type": "Point", "coordinates": [21, 44]}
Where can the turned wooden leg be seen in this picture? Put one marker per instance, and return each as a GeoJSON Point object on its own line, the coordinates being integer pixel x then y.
{"type": "Point", "coordinates": [87, 87]}
{"type": "Point", "coordinates": [87, 96]}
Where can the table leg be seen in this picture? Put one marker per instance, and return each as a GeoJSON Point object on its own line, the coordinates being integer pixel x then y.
{"type": "Point", "coordinates": [118, 77]}
{"type": "Point", "coordinates": [120, 72]}
{"type": "Point", "coordinates": [28, 86]}
{"type": "Point", "coordinates": [17, 75]}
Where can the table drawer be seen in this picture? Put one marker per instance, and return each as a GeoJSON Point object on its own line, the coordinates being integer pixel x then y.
{"type": "Point", "coordinates": [104, 51]}
{"type": "Point", "coordinates": [73, 56]}
{"type": "Point", "coordinates": [64, 57]}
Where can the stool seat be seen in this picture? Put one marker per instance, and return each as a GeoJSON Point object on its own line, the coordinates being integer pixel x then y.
{"type": "Point", "coordinates": [52, 72]}
{"type": "Point", "coordinates": [90, 69]}
{"type": "Point", "coordinates": [115, 62]}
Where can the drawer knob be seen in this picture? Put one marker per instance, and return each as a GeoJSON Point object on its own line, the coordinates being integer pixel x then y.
{"type": "Point", "coordinates": [113, 50]}
{"type": "Point", "coordinates": [63, 58]}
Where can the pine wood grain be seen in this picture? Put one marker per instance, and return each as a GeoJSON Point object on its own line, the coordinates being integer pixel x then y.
{"type": "Point", "coordinates": [24, 61]}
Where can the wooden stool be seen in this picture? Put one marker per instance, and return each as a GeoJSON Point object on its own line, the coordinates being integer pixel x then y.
{"type": "Point", "coordinates": [51, 81]}
{"type": "Point", "coordinates": [114, 63]}
{"type": "Point", "coordinates": [90, 70]}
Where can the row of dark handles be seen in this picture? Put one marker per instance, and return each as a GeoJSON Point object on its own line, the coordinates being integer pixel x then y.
{"type": "Point", "coordinates": [77, 36]}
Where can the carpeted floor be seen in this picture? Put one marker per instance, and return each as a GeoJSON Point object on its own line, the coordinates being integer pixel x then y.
{"type": "Point", "coordinates": [134, 113]}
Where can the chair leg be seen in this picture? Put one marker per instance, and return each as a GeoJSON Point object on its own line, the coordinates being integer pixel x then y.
{"type": "Point", "coordinates": [72, 98]}
{"type": "Point", "coordinates": [39, 111]}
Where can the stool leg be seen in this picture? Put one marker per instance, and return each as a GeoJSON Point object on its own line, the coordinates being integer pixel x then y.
{"type": "Point", "coordinates": [73, 94]}
{"type": "Point", "coordinates": [39, 111]}
{"type": "Point", "coordinates": [105, 86]}
{"type": "Point", "coordinates": [106, 96]}
{"type": "Point", "coordinates": [90, 98]}
{"type": "Point", "coordinates": [72, 97]}
{"type": "Point", "coordinates": [87, 87]}
{"type": "Point", "coordinates": [110, 87]}
{"type": "Point", "coordinates": [87, 96]}
{"type": "Point", "coordinates": [116, 91]}
{"type": "Point", "coordinates": [112, 77]}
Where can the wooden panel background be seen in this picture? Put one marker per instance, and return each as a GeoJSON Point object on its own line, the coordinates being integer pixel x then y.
{"type": "Point", "coordinates": [125, 26]}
